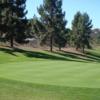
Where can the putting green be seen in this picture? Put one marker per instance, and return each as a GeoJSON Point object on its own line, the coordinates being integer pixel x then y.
{"type": "Point", "coordinates": [60, 73]}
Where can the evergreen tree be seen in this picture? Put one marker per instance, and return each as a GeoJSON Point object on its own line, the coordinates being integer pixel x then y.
{"type": "Point", "coordinates": [60, 28]}
{"type": "Point", "coordinates": [82, 26]}
{"type": "Point", "coordinates": [38, 29]}
{"type": "Point", "coordinates": [13, 17]}
{"type": "Point", "coordinates": [21, 21]}
{"type": "Point", "coordinates": [87, 30]}
{"type": "Point", "coordinates": [75, 29]}
{"type": "Point", "coordinates": [51, 14]}
{"type": "Point", "coordinates": [3, 5]}
{"type": "Point", "coordinates": [69, 37]}
{"type": "Point", "coordinates": [0, 17]}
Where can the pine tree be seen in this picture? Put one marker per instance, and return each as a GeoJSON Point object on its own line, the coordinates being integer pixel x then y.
{"type": "Point", "coordinates": [61, 31]}
{"type": "Point", "coordinates": [13, 17]}
{"type": "Point", "coordinates": [82, 26]}
{"type": "Point", "coordinates": [75, 29]}
{"type": "Point", "coordinates": [53, 19]}
{"type": "Point", "coordinates": [20, 20]}
{"type": "Point", "coordinates": [38, 29]}
{"type": "Point", "coordinates": [0, 16]}
{"type": "Point", "coordinates": [87, 30]}
{"type": "Point", "coordinates": [3, 5]}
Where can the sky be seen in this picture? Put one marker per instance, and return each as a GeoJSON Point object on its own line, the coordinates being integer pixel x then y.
{"type": "Point", "coordinates": [92, 7]}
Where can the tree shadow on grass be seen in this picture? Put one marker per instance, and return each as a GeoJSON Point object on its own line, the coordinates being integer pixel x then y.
{"type": "Point", "coordinates": [88, 56]}
{"type": "Point", "coordinates": [31, 54]}
{"type": "Point", "coordinates": [92, 55]}
{"type": "Point", "coordinates": [8, 50]}
{"type": "Point", "coordinates": [63, 55]}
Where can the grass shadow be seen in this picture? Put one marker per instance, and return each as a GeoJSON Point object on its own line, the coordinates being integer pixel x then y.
{"type": "Point", "coordinates": [88, 56]}
{"type": "Point", "coordinates": [63, 55]}
{"type": "Point", "coordinates": [8, 50]}
{"type": "Point", "coordinates": [31, 54]}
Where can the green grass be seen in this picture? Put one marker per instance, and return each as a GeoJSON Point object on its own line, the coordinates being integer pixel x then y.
{"type": "Point", "coordinates": [31, 75]}
{"type": "Point", "coordinates": [13, 90]}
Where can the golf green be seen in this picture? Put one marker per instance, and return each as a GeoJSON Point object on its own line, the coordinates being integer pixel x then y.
{"type": "Point", "coordinates": [49, 76]}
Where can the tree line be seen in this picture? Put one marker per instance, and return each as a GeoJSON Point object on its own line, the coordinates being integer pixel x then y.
{"type": "Point", "coordinates": [50, 27]}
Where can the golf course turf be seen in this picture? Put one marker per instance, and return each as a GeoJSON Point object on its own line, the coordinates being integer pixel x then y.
{"type": "Point", "coordinates": [41, 75]}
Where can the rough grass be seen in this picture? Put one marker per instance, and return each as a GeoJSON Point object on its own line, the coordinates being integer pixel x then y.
{"type": "Point", "coordinates": [32, 75]}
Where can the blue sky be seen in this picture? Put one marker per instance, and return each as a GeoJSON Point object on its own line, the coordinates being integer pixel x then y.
{"type": "Point", "coordinates": [92, 7]}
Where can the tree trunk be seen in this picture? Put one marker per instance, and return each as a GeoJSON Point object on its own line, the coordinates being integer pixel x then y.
{"type": "Point", "coordinates": [11, 41]}
{"type": "Point", "coordinates": [59, 48]}
{"type": "Point", "coordinates": [77, 47]}
{"type": "Point", "coordinates": [83, 49]}
{"type": "Point", "coordinates": [51, 43]}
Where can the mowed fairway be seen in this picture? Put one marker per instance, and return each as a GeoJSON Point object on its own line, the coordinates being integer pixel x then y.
{"type": "Point", "coordinates": [27, 75]}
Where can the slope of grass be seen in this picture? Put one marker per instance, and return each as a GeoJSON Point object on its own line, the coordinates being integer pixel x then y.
{"type": "Point", "coordinates": [32, 75]}
{"type": "Point", "coordinates": [19, 55]}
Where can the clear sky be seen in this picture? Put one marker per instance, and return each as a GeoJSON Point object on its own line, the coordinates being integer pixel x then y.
{"type": "Point", "coordinates": [92, 7]}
